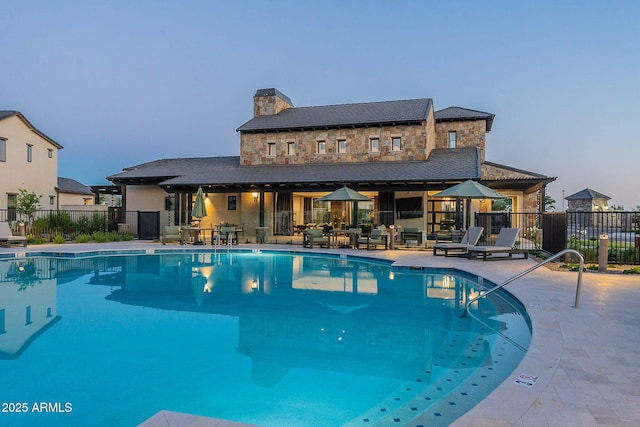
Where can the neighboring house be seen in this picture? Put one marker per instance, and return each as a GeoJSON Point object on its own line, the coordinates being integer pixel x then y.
{"type": "Point", "coordinates": [587, 200]}
{"type": "Point", "coordinates": [585, 207]}
{"type": "Point", "coordinates": [399, 153]}
{"type": "Point", "coordinates": [28, 160]}
{"type": "Point", "coordinates": [72, 194]}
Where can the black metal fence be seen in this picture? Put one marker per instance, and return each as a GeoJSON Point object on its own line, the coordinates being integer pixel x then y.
{"type": "Point", "coordinates": [530, 225]}
{"type": "Point", "coordinates": [581, 231]}
{"type": "Point", "coordinates": [622, 231]}
{"type": "Point", "coordinates": [552, 231]}
{"type": "Point", "coordinates": [47, 225]}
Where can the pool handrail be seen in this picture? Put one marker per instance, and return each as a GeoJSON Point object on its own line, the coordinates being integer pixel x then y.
{"type": "Point", "coordinates": [529, 270]}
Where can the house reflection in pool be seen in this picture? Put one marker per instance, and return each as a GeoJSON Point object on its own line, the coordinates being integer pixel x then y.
{"type": "Point", "coordinates": [27, 304]}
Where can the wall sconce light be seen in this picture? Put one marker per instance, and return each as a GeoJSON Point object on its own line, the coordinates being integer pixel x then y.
{"type": "Point", "coordinates": [254, 285]}
{"type": "Point", "coordinates": [255, 197]}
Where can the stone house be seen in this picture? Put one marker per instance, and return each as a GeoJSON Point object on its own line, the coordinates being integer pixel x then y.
{"type": "Point", "coordinates": [399, 153]}
{"type": "Point", "coordinates": [587, 200]}
{"type": "Point", "coordinates": [586, 207]}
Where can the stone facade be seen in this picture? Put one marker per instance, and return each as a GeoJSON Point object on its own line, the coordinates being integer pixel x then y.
{"type": "Point", "coordinates": [588, 205]}
{"type": "Point", "coordinates": [269, 103]}
{"type": "Point", "coordinates": [301, 146]}
{"type": "Point", "coordinates": [416, 143]}
{"type": "Point", "coordinates": [468, 134]}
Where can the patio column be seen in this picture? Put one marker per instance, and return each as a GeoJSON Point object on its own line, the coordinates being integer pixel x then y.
{"type": "Point", "coordinates": [261, 215]}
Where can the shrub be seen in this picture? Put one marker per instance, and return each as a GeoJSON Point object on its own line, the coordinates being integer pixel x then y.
{"type": "Point", "coordinates": [114, 236]}
{"type": "Point", "coordinates": [82, 238]}
{"type": "Point", "coordinates": [32, 240]}
{"type": "Point", "coordinates": [100, 237]}
{"type": "Point", "coordinates": [58, 239]}
{"type": "Point", "coordinates": [58, 222]}
{"type": "Point", "coordinates": [633, 270]}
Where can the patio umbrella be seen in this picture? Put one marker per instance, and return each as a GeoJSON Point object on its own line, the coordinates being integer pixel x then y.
{"type": "Point", "coordinates": [470, 189]}
{"type": "Point", "coordinates": [199, 210]}
{"type": "Point", "coordinates": [346, 194]}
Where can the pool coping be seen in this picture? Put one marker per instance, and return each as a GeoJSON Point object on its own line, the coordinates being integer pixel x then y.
{"type": "Point", "coordinates": [585, 375]}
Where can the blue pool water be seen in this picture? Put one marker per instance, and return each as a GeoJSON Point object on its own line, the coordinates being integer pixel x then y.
{"type": "Point", "coordinates": [271, 339]}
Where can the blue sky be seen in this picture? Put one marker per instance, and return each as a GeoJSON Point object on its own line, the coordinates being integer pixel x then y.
{"type": "Point", "coordinates": [119, 83]}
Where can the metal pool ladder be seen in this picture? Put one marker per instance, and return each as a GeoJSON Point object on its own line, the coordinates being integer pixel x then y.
{"type": "Point", "coordinates": [529, 270]}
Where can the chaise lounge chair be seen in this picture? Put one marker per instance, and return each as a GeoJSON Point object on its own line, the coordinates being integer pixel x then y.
{"type": "Point", "coordinates": [470, 238]}
{"type": "Point", "coordinates": [505, 244]}
{"type": "Point", "coordinates": [7, 238]}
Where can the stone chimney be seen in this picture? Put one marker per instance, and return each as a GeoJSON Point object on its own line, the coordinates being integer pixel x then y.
{"type": "Point", "coordinates": [268, 102]}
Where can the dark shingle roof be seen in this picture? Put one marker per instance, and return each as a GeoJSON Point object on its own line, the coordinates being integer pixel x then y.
{"type": "Point", "coordinates": [370, 113]}
{"type": "Point", "coordinates": [587, 194]}
{"type": "Point", "coordinates": [68, 185]}
{"type": "Point", "coordinates": [7, 113]}
{"type": "Point", "coordinates": [442, 165]}
{"type": "Point", "coordinates": [452, 114]}
{"type": "Point", "coordinates": [529, 174]}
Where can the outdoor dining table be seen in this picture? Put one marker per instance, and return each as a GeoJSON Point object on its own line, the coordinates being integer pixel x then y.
{"type": "Point", "coordinates": [352, 233]}
{"type": "Point", "coordinates": [195, 233]}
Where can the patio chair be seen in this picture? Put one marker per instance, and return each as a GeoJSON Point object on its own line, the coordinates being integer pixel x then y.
{"type": "Point", "coordinates": [314, 236]}
{"type": "Point", "coordinates": [411, 234]}
{"type": "Point", "coordinates": [375, 238]}
{"type": "Point", "coordinates": [470, 238]}
{"type": "Point", "coordinates": [172, 233]}
{"type": "Point", "coordinates": [505, 244]}
{"type": "Point", "coordinates": [7, 238]}
{"type": "Point", "coordinates": [228, 234]}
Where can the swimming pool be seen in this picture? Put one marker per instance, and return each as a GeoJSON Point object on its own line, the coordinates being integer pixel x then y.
{"type": "Point", "coordinates": [272, 339]}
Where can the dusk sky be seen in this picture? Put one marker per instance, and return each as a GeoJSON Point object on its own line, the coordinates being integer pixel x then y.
{"type": "Point", "coordinates": [119, 83]}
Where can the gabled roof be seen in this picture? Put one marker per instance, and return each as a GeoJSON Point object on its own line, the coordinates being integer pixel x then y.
{"type": "Point", "coordinates": [455, 114]}
{"type": "Point", "coordinates": [500, 176]}
{"type": "Point", "coordinates": [443, 165]}
{"type": "Point", "coordinates": [344, 115]}
{"type": "Point", "coordinates": [4, 114]}
{"type": "Point", "coordinates": [68, 185]}
{"type": "Point", "coordinates": [587, 194]}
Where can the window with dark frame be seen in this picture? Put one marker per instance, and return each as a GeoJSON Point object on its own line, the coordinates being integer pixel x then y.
{"type": "Point", "coordinates": [50, 153]}
{"type": "Point", "coordinates": [231, 203]}
{"type": "Point", "coordinates": [342, 146]}
{"type": "Point", "coordinates": [291, 148]}
{"type": "Point", "coordinates": [3, 150]}
{"type": "Point", "coordinates": [29, 153]}
{"type": "Point", "coordinates": [12, 206]}
{"type": "Point", "coordinates": [271, 149]}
